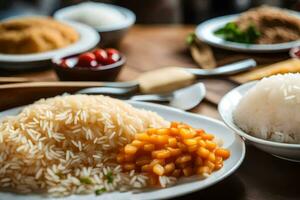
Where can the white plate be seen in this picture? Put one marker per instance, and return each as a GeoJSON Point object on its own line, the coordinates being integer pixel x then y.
{"type": "Point", "coordinates": [226, 107]}
{"type": "Point", "coordinates": [89, 38]}
{"type": "Point", "coordinates": [231, 141]}
{"type": "Point", "coordinates": [205, 32]}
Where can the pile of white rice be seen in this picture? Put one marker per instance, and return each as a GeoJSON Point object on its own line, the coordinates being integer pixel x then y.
{"type": "Point", "coordinates": [270, 109]}
{"type": "Point", "coordinates": [67, 145]}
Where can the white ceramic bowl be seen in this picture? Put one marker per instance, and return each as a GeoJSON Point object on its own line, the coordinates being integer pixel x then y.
{"type": "Point", "coordinates": [111, 34]}
{"type": "Point", "coordinates": [226, 107]}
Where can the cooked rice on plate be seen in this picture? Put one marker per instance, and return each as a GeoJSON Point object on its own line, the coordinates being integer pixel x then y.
{"type": "Point", "coordinates": [80, 144]}
{"type": "Point", "coordinates": [56, 144]}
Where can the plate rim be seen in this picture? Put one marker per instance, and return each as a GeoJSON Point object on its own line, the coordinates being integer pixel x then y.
{"type": "Point", "coordinates": [237, 140]}
{"type": "Point", "coordinates": [230, 123]}
{"type": "Point", "coordinates": [259, 48]}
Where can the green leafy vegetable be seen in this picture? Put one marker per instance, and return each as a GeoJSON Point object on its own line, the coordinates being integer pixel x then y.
{"type": "Point", "coordinates": [231, 32]}
{"type": "Point", "coordinates": [109, 176]}
{"type": "Point", "coordinates": [86, 180]}
{"type": "Point", "coordinates": [100, 191]}
{"type": "Point", "coordinates": [190, 38]}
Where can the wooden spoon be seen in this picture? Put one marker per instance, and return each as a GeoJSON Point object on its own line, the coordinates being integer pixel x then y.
{"type": "Point", "coordinates": [18, 94]}
{"type": "Point", "coordinates": [6, 80]}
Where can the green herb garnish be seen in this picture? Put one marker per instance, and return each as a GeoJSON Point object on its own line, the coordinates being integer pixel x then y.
{"type": "Point", "coordinates": [100, 191]}
{"type": "Point", "coordinates": [231, 32]}
{"type": "Point", "coordinates": [109, 176]}
{"type": "Point", "coordinates": [190, 38]}
{"type": "Point", "coordinates": [85, 180]}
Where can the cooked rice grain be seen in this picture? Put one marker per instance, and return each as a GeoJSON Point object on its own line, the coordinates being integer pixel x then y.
{"type": "Point", "coordinates": [67, 144]}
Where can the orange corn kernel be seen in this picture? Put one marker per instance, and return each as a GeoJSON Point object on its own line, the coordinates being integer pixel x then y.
{"type": "Point", "coordinates": [151, 131]}
{"type": "Point", "coordinates": [224, 153]}
{"type": "Point", "coordinates": [172, 142]}
{"type": "Point", "coordinates": [185, 133]}
{"type": "Point", "coordinates": [193, 148]}
{"type": "Point", "coordinates": [183, 159]}
{"type": "Point", "coordinates": [203, 152]}
{"type": "Point", "coordinates": [169, 168]}
{"type": "Point", "coordinates": [158, 169]}
{"type": "Point", "coordinates": [210, 145]}
{"type": "Point", "coordinates": [174, 151]}
{"type": "Point", "coordinates": [137, 143]}
{"type": "Point", "coordinates": [209, 164]}
{"type": "Point", "coordinates": [174, 131]}
{"type": "Point", "coordinates": [202, 143]}
{"type": "Point", "coordinates": [130, 149]}
{"type": "Point", "coordinates": [142, 136]}
{"type": "Point", "coordinates": [161, 154]}
{"type": "Point", "coordinates": [211, 157]}
{"type": "Point", "coordinates": [162, 139]}
{"type": "Point", "coordinates": [203, 170]}
{"type": "Point", "coordinates": [149, 147]}
{"type": "Point", "coordinates": [157, 161]}
{"type": "Point", "coordinates": [190, 142]}
{"type": "Point", "coordinates": [162, 131]}
{"type": "Point", "coordinates": [207, 136]}
{"type": "Point", "coordinates": [188, 171]}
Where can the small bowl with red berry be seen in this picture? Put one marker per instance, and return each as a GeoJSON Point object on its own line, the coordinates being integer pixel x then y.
{"type": "Point", "coordinates": [295, 52]}
{"type": "Point", "coordinates": [96, 65]}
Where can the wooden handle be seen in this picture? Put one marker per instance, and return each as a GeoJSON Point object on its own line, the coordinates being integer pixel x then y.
{"type": "Point", "coordinates": [6, 80]}
{"type": "Point", "coordinates": [17, 94]}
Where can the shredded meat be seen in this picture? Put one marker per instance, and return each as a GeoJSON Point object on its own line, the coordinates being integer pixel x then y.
{"type": "Point", "coordinates": [274, 24]}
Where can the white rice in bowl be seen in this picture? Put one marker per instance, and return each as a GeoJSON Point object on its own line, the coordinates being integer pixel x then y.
{"type": "Point", "coordinates": [67, 145]}
{"type": "Point", "coordinates": [270, 110]}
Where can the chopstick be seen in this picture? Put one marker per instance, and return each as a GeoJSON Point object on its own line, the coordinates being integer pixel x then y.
{"type": "Point", "coordinates": [6, 80]}
{"type": "Point", "coordinates": [16, 94]}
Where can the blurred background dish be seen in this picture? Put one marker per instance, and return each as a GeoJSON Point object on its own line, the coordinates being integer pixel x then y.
{"type": "Point", "coordinates": [207, 30]}
{"type": "Point", "coordinates": [88, 39]}
{"type": "Point", "coordinates": [111, 22]}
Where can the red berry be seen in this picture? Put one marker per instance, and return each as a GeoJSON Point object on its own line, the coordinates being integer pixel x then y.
{"type": "Point", "coordinates": [100, 55]}
{"type": "Point", "coordinates": [112, 59]}
{"type": "Point", "coordinates": [297, 53]}
{"type": "Point", "coordinates": [111, 51]}
{"type": "Point", "coordinates": [87, 60]}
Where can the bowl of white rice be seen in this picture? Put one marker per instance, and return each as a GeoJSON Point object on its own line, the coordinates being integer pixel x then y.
{"type": "Point", "coordinates": [265, 113]}
{"type": "Point", "coordinates": [110, 21]}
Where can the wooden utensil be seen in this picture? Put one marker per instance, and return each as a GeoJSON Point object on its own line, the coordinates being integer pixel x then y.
{"type": "Point", "coordinates": [287, 66]}
{"type": "Point", "coordinates": [201, 53]}
{"type": "Point", "coordinates": [17, 94]}
{"type": "Point", "coordinates": [5, 80]}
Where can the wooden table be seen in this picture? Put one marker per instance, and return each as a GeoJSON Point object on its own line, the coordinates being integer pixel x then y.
{"type": "Point", "coordinates": [261, 176]}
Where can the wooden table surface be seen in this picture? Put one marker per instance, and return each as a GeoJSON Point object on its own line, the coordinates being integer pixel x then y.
{"type": "Point", "coordinates": [261, 176]}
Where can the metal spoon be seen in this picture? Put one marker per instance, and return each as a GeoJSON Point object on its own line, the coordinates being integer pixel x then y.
{"type": "Point", "coordinates": [184, 99]}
